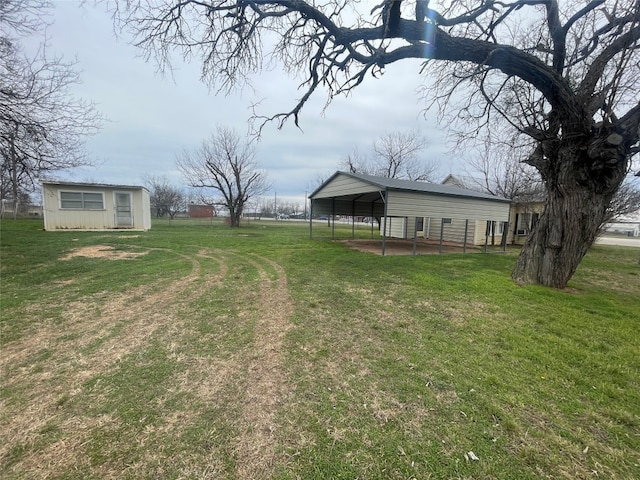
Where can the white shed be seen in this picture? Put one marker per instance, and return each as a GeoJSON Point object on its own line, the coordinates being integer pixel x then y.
{"type": "Point", "coordinates": [91, 206]}
{"type": "Point", "coordinates": [409, 209]}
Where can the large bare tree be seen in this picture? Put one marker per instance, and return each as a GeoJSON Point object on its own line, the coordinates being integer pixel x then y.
{"type": "Point", "coordinates": [227, 165]}
{"type": "Point", "coordinates": [43, 127]}
{"type": "Point", "coordinates": [562, 74]}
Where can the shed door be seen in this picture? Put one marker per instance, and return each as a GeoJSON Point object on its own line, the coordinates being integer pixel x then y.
{"type": "Point", "coordinates": [124, 217]}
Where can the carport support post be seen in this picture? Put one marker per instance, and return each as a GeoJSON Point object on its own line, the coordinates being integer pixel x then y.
{"type": "Point", "coordinates": [333, 218]}
{"type": "Point", "coordinates": [372, 218]}
{"type": "Point", "coordinates": [353, 219]}
{"type": "Point", "coordinates": [441, 234]}
{"type": "Point", "coordinates": [466, 230]}
{"type": "Point", "coordinates": [415, 235]}
{"type": "Point", "coordinates": [384, 229]}
{"type": "Point", "coordinates": [505, 229]}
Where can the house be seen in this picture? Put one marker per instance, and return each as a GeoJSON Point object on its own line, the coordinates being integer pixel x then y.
{"type": "Point", "coordinates": [523, 217]}
{"type": "Point", "coordinates": [526, 208]}
{"type": "Point", "coordinates": [91, 206]}
{"type": "Point", "coordinates": [408, 209]}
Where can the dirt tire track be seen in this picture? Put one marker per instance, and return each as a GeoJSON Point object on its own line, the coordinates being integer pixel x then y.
{"type": "Point", "coordinates": [267, 386]}
{"type": "Point", "coordinates": [21, 425]}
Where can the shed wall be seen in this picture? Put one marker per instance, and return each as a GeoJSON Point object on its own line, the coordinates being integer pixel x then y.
{"type": "Point", "coordinates": [56, 218]}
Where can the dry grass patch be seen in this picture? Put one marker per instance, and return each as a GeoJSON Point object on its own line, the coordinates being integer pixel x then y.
{"type": "Point", "coordinates": [102, 251]}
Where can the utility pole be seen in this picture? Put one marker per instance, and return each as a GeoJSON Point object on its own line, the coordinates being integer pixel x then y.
{"type": "Point", "coordinates": [305, 205]}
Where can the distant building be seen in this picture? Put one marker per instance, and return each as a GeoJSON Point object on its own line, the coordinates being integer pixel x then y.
{"type": "Point", "coordinates": [201, 211]}
{"type": "Point", "coordinates": [627, 228]}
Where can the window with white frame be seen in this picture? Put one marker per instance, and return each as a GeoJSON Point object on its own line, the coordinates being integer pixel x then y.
{"type": "Point", "coordinates": [82, 200]}
{"type": "Point", "coordinates": [495, 228]}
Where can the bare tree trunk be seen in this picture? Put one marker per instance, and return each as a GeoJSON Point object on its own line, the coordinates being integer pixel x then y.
{"type": "Point", "coordinates": [577, 201]}
{"type": "Point", "coordinates": [14, 174]}
{"type": "Point", "coordinates": [234, 217]}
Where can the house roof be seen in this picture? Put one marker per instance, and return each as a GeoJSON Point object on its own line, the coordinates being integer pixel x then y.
{"type": "Point", "coordinates": [384, 183]}
{"type": "Point", "coordinates": [86, 184]}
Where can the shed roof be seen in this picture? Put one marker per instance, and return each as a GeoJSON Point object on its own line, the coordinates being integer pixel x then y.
{"type": "Point", "coordinates": [384, 183]}
{"type": "Point", "coordinates": [86, 184]}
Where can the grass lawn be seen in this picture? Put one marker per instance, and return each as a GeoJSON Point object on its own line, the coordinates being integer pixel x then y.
{"type": "Point", "coordinates": [198, 351]}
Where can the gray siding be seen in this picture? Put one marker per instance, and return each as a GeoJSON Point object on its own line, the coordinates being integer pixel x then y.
{"type": "Point", "coordinates": [324, 206]}
{"type": "Point", "coordinates": [344, 185]}
{"type": "Point", "coordinates": [396, 227]}
{"type": "Point", "coordinates": [428, 205]}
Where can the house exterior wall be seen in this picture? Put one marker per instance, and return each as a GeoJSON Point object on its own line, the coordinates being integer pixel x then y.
{"type": "Point", "coordinates": [58, 218]}
{"type": "Point", "coordinates": [631, 229]}
{"type": "Point", "coordinates": [522, 218]}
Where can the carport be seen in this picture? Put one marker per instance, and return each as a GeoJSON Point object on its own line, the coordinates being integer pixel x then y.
{"type": "Point", "coordinates": [408, 209]}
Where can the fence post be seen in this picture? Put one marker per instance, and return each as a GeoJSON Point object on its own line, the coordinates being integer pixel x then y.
{"type": "Point", "coordinates": [466, 230]}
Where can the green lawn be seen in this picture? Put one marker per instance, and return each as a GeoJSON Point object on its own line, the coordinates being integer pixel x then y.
{"type": "Point", "coordinates": [198, 351]}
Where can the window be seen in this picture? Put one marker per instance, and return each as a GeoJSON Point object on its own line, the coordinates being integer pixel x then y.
{"type": "Point", "coordinates": [523, 224]}
{"type": "Point", "coordinates": [419, 224]}
{"type": "Point", "coordinates": [82, 200]}
{"type": "Point", "coordinates": [447, 221]}
{"type": "Point", "coordinates": [495, 228]}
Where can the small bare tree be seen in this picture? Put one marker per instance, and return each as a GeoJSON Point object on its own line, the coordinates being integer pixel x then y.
{"type": "Point", "coordinates": [166, 199]}
{"type": "Point", "coordinates": [227, 165]}
{"type": "Point", "coordinates": [397, 155]}
{"type": "Point", "coordinates": [394, 155]}
{"type": "Point", "coordinates": [500, 171]}
{"type": "Point", "coordinates": [626, 200]}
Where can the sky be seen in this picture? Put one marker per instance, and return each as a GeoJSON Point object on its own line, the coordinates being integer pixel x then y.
{"type": "Point", "coordinates": [153, 117]}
